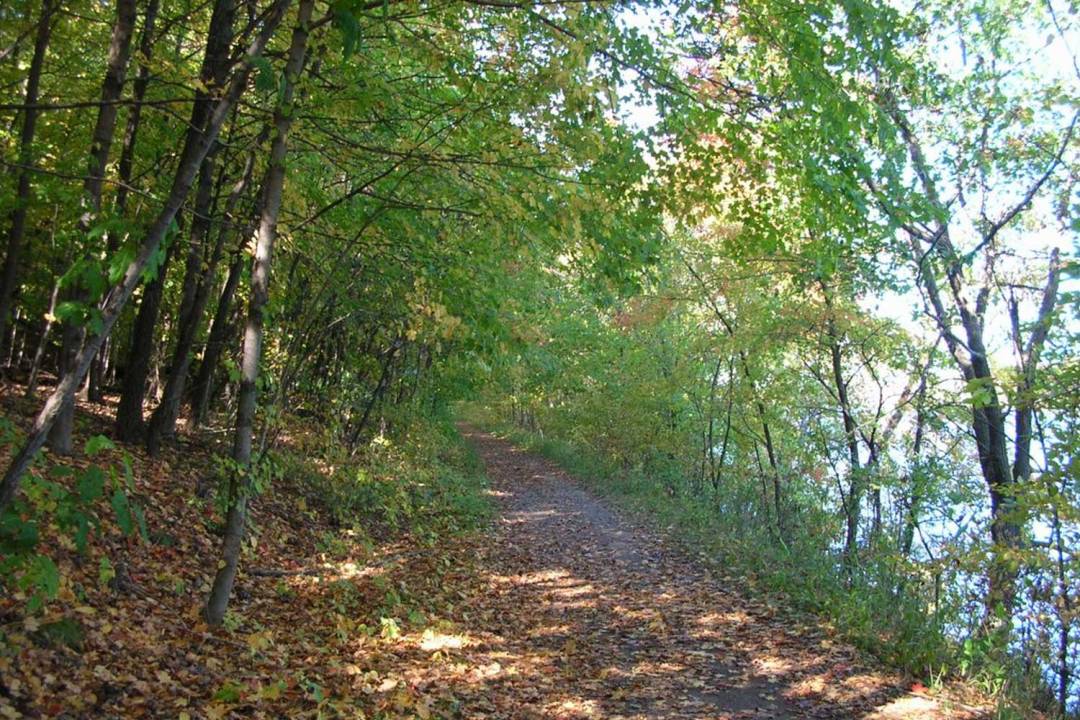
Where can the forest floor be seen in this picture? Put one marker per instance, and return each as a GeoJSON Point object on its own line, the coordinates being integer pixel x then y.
{"type": "Point", "coordinates": [559, 608]}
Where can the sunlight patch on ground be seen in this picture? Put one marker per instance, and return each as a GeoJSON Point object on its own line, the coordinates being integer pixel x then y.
{"type": "Point", "coordinates": [433, 641]}
{"type": "Point", "coordinates": [349, 570]}
{"type": "Point", "coordinates": [859, 682]}
{"type": "Point", "coordinates": [809, 686]}
{"type": "Point", "coordinates": [550, 631]}
{"type": "Point", "coordinates": [541, 576]}
{"type": "Point", "coordinates": [572, 604]}
{"type": "Point", "coordinates": [487, 671]}
{"type": "Point", "coordinates": [827, 686]}
{"type": "Point", "coordinates": [576, 708]}
{"type": "Point", "coordinates": [729, 618]}
{"type": "Point", "coordinates": [772, 665]}
{"type": "Point", "coordinates": [909, 707]}
{"type": "Point", "coordinates": [572, 591]}
{"type": "Point", "coordinates": [658, 668]}
{"type": "Point", "coordinates": [629, 613]}
{"type": "Point", "coordinates": [520, 517]}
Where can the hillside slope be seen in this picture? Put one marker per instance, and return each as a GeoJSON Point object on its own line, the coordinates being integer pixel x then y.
{"type": "Point", "coordinates": [324, 613]}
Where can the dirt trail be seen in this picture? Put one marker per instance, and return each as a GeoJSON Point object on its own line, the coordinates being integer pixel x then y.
{"type": "Point", "coordinates": [597, 616]}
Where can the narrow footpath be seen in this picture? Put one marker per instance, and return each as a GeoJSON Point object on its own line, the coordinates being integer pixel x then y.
{"type": "Point", "coordinates": [598, 616]}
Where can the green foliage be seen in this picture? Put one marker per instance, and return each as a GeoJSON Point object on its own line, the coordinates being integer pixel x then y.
{"type": "Point", "coordinates": [424, 481]}
{"type": "Point", "coordinates": [66, 632]}
{"type": "Point", "coordinates": [475, 208]}
{"type": "Point", "coordinates": [863, 198]}
{"type": "Point", "coordinates": [229, 693]}
{"type": "Point", "coordinates": [232, 621]}
{"type": "Point", "coordinates": [69, 500]}
{"type": "Point", "coordinates": [254, 479]}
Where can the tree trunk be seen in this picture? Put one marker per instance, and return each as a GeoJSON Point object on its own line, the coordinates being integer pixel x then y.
{"type": "Point", "coordinates": [129, 419]}
{"type": "Point", "coordinates": [9, 274]}
{"type": "Point", "coordinates": [273, 186]}
{"type": "Point", "coordinates": [709, 460]}
{"type": "Point", "coordinates": [129, 422]}
{"type": "Point", "coordinates": [196, 146]}
{"type": "Point", "coordinates": [214, 74]}
{"type": "Point", "coordinates": [43, 342]}
{"type": "Point", "coordinates": [60, 438]}
{"type": "Point", "coordinates": [125, 169]}
{"type": "Point", "coordinates": [377, 393]}
{"type": "Point", "coordinates": [73, 330]}
{"type": "Point", "coordinates": [163, 422]}
{"type": "Point", "coordinates": [914, 504]}
{"type": "Point", "coordinates": [220, 327]}
{"type": "Point", "coordinates": [991, 440]}
{"type": "Point", "coordinates": [111, 88]}
{"type": "Point", "coordinates": [770, 451]}
{"type": "Point", "coordinates": [131, 132]}
{"type": "Point", "coordinates": [1029, 361]}
{"type": "Point", "coordinates": [855, 492]}
{"type": "Point", "coordinates": [970, 355]}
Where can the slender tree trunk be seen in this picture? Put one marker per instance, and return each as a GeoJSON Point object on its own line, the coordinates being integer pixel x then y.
{"type": "Point", "coordinates": [163, 422]}
{"type": "Point", "coordinates": [855, 492]}
{"type": "Point", "coordinates": [914, 505]}
{"type": "Point", "coordinates": [9, 341]}
{"type": "Point", "coordinates": [1029, 361]}
{"type": "Point", "coordinates": [125, 169]}
{"type": "Point", "coordinates": [15, 357]}
{"type": "Point", "coordinates": [126, 165]}
{"type": "Point", "coordinates": [220, 327]}
{"type": "Point", "coordinates": [9, 274]}
{"type": "Point", "coordinates": [111, 88]}
{"type": "Point", "coordinates": [196, 146]}
{"type": "Point", "coordinates": [857, 480]}
{"type": "Point", "coordinates": [273, 186]}
{"type": "Point", "coordinates": [718, 466]}
{"type": "Point", "coordinates": [50, 320]}
{"type": "Point", "coordinates": [60, 437]}
{"type": "Point", "coordinates": [129, 412]}
{"type": "Point", "coordinates": [766, 505]}
{"type": "Point", "coordinates": [770, 451]}
{"type": "Point", "coordinates": [710, 452]}
{"type": "Point", "coordinates": [43, 342]}
{"type": "Point", "coordinates": [377, 393]}
{"type": "Point", "coordinates": [129, 420]}
{"type": "Point", "coordinates": [73, 329]}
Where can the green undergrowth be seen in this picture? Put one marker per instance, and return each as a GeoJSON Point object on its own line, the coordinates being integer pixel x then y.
{"type": "Point", "coordinates": [424, 481]}
{"type": "Point", "coordinates": [866, 608]}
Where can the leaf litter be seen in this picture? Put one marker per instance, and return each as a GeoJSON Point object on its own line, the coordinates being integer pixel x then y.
{"type": "Point", "coordinates": [561, 609]}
